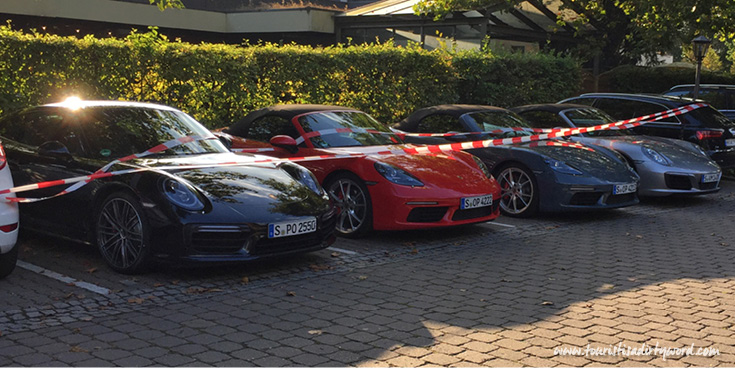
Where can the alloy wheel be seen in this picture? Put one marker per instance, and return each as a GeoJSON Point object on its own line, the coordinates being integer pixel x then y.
{"type": "Point", "coordinates": [120, 234]}
{"type": "Point", "coordinates": [352, 203]}
{"type": "Point", "coordinates": [516, 190]}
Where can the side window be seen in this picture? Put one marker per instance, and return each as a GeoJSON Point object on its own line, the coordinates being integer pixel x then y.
{"type": "Point", "coordinates": [36, 128]}
{"type": "Point", "coordinates": [621, 109]}
{"type": "Point", "coordinates": [267, 127]}
{"type": "Point", "coordinates": [544, 119]}
{"type": "Point", "coordinates": [583, 101]}
{"type": "Point", "coordinates": [439, 123]}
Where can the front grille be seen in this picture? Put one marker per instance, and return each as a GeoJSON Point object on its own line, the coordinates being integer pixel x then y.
{"type": "Point", "coordinates": [681, 182]}
{"type": "Point", "coordinates": [427, 214]}
{"type": "Point", "coordinates": [266, 246]}
{"type": "Point", "coordinates": [621, 198]}
{"type": "Point", "coordinates": [218, 239]}
{"type": "Point", "coordinates": [585, 198]}
{"type": "Point", "coordinates": [473, 213]}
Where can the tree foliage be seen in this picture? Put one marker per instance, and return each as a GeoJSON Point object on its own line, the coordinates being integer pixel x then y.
{"type": "Point", "coordinates": [625, 29]}
{"type": "Point", "coordinates": [165, 4]}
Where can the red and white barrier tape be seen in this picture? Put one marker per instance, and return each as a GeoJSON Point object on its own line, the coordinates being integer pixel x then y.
{"type": "Point", "coordinates": [460, 146]}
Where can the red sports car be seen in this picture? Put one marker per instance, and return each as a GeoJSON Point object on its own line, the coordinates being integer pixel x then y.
{"type": "Point", "coordinates": [373, 191]}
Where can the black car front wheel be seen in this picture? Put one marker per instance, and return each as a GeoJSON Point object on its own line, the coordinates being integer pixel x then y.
{"type": "Point", "coordinates": [7, 262]}
{"type": "Point", "coordinates": [353, 200]}
{"type": "Point", "coordinates": [518, 191]}
{"type": "Point", "coordinates": [122, 233]}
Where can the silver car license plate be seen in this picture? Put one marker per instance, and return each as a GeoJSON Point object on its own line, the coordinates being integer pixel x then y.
{"type": "Point", "coordinates": [709, 178]}
{"type": "Point", "coordinates": [291, 228]}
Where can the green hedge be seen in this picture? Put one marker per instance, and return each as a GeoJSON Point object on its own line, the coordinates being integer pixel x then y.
{"type": "Point", "coordinates": [219, 83]}
{"type": "Point", "coordinates": [637, 79]}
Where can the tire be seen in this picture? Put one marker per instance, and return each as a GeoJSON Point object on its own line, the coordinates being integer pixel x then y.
{"type": "Point", "coordinates": [7, 262]}
{"type": "Point", "coordinates": [355, 218]}
{"type": "Point", "coordinates": [122, 234]}
{"type": "Point", "coordinates": [518, 191]}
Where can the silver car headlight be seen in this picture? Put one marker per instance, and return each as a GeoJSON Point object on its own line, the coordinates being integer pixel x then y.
{"type": "Point", "coordinates": [303, 176]}
{"type": "Point", "coordinates": [656, 156]}
{"type": "Point", "coordinates": [182, 195]}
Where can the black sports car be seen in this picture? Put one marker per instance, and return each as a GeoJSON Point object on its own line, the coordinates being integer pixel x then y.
{"type": "Point", "coordinates": [186, 204]}
{"type": "Point", "coordinates": [539, 176]}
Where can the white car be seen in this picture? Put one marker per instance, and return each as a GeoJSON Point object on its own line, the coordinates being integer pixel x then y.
{"type": "Point", "coordinates": [8, 222]}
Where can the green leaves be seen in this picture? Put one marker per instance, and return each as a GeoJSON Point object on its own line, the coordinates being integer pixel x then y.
{"type": "Point", "coordinates": [218, 84]}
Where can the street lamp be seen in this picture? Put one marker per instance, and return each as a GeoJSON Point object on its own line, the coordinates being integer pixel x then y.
{"type": "Point", "coordinates": [700, 44]}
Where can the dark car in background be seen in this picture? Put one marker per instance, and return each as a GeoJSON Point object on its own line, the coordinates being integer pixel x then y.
{"type": "Point", "coordinates": [666, 166]}
{"type": "Point", "coordinates": [720, 96]}
{"type": "Point", "coordinates": [171, 210]}
{"type": "Point", "coordinates": [704, 126]}
{"type": "Point", "coordinates": [532, 176]}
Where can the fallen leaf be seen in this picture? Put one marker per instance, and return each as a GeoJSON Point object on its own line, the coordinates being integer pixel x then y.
{"type": "Point", "coordinates": [136, 300]}
{"type": "Point", "coordinates": [158, 284]}
{"type": "Point", "coordinates": [291, 293]}
{"type": "Point", "coordinates": [414, 251]}
{"type": "Point", "coordinates": [317, 268]}
{"type": "Point", "coordinates": [335, 254]}
{"type": "Point", "coordinates": [77, 349]}
{"type": "Point", "coordinates": [92, 270]}
{"type": "Point", "coordinates": [175, 282]}
{"type": "Point", "coordinates": [245, 280]}
{"type": "Point", "coordinates": [639, 236]}
{"type": "Point", "coordinates": [315, 332]}
{"type": "Point", "coordinates": [547, 303]}
{"type": "Point", "coordinates": [87, 318]}
{"type": "Point", "coordinates": [409, 244]}
{"type": "Point", "coordinates": [362, 277]}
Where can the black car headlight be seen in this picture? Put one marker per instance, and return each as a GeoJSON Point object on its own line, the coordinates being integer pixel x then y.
{"type": "Point", "coordinates": [182, 195]}
{"type": "Point", "coordinates": [483, 167]}
{"type": "Point", "coordinates": [656, 156]}
{"type": "Point", "coordinates": [562, 167]}
{"type": "Point", "coordinates": [303, 176]}
{"type": "Point", "coordinates": [397, 176]}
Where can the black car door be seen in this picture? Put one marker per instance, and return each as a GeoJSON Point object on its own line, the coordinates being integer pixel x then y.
{"type": "Point", "coordinates": [44, 145]}
{"type": "Point", "coordinates": [623, 109]}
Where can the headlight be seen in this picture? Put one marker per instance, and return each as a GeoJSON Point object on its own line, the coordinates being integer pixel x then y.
{"type": "Point", "coordinates": [303, 176]}
{"type": "Point", "coordinates": [397, 176]}
{"type": "Point", "coordinates": [182, 195]}
{"type": "Point", "coordinates": [562, 167]}
{"type": "Point", "coordinates": [483, 167]}
{"type": "Point", "coordinates": [656, 156]}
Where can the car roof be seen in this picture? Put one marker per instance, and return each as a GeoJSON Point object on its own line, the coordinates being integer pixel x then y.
{"type": "Point", "coordinates": [555, 108]}
{"type": "Point", "coordinates": [286, 111]}
{"type": "Point", "coordinates": [72, 104]}
{"type": "Point", "coordinates": [662, 99]}
{"type": "Point", "coordinates": [455, 110]}
{"type": "Point", "coordinates": [708, 85]}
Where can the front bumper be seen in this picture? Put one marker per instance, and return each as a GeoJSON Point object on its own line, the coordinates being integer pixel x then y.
{"type": "Point", "coordinates": [560, 193]}
{"type": "Point", "coordinates": [663, 183]}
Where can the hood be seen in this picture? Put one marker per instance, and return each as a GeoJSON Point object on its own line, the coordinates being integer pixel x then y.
{"type": "Point", "coordinates": [252, 190]}
{"type": "Point", "coordinates": [678, 152]}
{"type": "Point", "coordinates": [591, 162]}
{"type": "Point", "coordinates": [453, 170]}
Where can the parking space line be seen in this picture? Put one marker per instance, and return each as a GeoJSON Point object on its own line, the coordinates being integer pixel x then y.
{"type": "Point", "coordinates": [65, 279]}
{"type": "Point", "coordinates": [499, 224]}
{"type": "Point", "coordinates": [345, 251]}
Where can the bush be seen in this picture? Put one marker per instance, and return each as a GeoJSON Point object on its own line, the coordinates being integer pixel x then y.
{"type": "Point", "coordinates": [638, 79]}
{"type": "Point", "coordinates": [218, 84]}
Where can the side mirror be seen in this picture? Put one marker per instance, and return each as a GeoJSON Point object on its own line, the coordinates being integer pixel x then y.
{"type": "Point", "coordinates": [54, 149]}
{"type": "Point", "coordinates": [225, 138]}
{"type": "Point", "coordinates": [285, 142]}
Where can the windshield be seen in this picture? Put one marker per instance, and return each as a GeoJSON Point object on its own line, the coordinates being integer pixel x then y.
{"type": "Point", "coordinates": [590, 117]}
{"type": "Point", "coordinates": [711, 118]}
{"type": "Point", "coordinates": [118, 131]}
{"type": "Point", "coordinates": [357, 122]}
{"type": "Point", "coordinates": [494, 120]}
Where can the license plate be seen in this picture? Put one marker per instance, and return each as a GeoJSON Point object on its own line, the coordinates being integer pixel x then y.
{"type": "Point", "coordinates": [729, 142]}
{"type": "Point", "coordinates": [476, 202]}
{"type": "Point", "coordinates": [708, 178]}
{"type": "Point", "coordinates": [624, 188]}
{"type": "Point", "coordinates": [291, 228]}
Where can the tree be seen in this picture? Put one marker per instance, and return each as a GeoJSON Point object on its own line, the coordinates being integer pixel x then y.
{"type": "Point", "coordinates": [165, 4]}
{"type": "Point", "coordinates": [625, 30]}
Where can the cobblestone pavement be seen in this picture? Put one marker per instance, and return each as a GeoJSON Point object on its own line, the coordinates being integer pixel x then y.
{"type": "Point", "coordinates": [661, 273]}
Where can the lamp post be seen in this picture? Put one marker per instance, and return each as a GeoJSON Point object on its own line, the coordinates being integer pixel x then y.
{"type": "Point", "coordinates": [700, 44]}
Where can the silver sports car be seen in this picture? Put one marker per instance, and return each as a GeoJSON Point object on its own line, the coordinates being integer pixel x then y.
{"type": "Point", "coordinates": [666, 166]}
